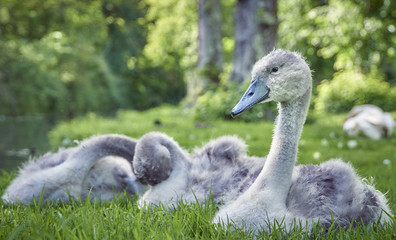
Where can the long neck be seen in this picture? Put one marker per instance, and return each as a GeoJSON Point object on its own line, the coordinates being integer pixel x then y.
{"type": "Point", "coordinates": [91, 150]}
{"type": "Point", "coordinates": [277, 171]}
{"type": "Point", "coordinates": [178, 156]}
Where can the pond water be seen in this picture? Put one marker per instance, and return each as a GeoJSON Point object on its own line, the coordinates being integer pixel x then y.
{"type": "Point", "coordinates": [23, 137]}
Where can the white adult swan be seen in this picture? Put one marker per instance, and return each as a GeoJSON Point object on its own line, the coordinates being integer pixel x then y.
{"type": "Point", "coordinates": [100, 165]}
{"type": "Point", "coordinates": [369, 120]}
{"type": "Point", "coordinates": [283, 192]}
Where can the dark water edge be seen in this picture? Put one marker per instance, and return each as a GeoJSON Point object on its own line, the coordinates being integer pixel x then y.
{"type": "Point", "coordinates": [23, 137]}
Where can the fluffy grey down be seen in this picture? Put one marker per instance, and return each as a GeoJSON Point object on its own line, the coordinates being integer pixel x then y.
{"type": "Point", "coordinates": [99, 165]}
{"type": "Point", "coordinates": [257, 190]}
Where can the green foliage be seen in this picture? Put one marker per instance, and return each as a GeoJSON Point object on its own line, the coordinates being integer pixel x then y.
{"type": "Point", "coordinates": [172, 33]}
{"type": "Point", "coordinates": [217, 104]}
{"type": "Point", "coordinates": [70, 57]}
{"type": "Point", "coordinates": [34, 19]}
{"type": "Point", "coordinates": [126, 34]}
{"type": "Point", "coordinates": [73, 56]}
{"type": "Point", "coordinates": [362, 53]}
{"type": "Point", "coordinates": [153, 86]}
{"type": "Point", "coordinates": [146, 83]}
{"type": "Point", "coordinates": [53, 75]}
{"type": "Point", "coordinates": [53, 67]}
{"type": "Point", "coordinates": [323, 32]}
{"type": "Point", "coordinates": [26, 86]}
{"type": "Point", "coordinates": [350, 88]}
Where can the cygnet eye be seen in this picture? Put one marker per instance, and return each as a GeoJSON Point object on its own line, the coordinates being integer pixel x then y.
{"type": "Point", "coordinates": [274, 69]}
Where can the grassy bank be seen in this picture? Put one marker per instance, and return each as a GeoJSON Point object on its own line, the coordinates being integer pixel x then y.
{"type": "Point", "coordinates": [321, 140]}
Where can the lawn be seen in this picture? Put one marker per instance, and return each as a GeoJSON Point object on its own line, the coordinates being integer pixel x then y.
{"type": "Point", "coordinates": [322, 139]}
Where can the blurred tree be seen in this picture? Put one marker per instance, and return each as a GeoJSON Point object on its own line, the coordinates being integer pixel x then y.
{"type": "Point", "coordinates": [82, 56]}
{"type": "Point", "coordinates": [126, 33]}
{"type": "Point", "coordinates": [344, 39]}
{"type": "Point", "coordinates": [170, 54]}
{"type": "Point", "coordinates": [324, 33]}
{"type": "Point", "coordinates": [256, 26]}
{"type": "Point", "coordinates": [58, 42]}
{"type": "Point", "coordinates": [29, 20]}
{"type": "Point", "coordinates": [25, 86]}
{"type": "Point", "coordinates": [267, 33]}
{"type": "Point", "coordinates": [172, 33]}
{"type": "Point", "coordinates": [255, 35]}
{"type": "Point", "coordinates": [210, 50]}
{"type": "Point", "coordinates": [70, 56]}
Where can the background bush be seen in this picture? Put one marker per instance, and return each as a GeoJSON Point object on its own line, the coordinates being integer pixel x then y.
{"type": "Point", "coordinates": [70, 57]}
{"type": "Point", "coordinates": [350, 88]}
{"type": "Point", "coordinates": [26, 86]}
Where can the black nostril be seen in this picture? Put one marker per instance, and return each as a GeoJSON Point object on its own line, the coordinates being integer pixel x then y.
{"type": "Point", "coordinates": [250, 94]}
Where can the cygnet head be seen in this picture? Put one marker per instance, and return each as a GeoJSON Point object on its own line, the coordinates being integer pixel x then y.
{"type": "Point", "coordinates": [152, 161]}
{"type": "Point", "coordinates": [280, 76]}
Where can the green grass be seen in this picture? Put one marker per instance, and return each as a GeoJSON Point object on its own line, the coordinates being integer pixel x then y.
{"type": "Point", "coordinates": [121, 218]}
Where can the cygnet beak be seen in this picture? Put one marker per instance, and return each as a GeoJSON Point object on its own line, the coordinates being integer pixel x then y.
{"type": "Point", "coordinates": [256, 93]}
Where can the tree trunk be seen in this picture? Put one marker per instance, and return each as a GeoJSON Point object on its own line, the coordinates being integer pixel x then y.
{"type": "Point", "coordinates": [245, 30]}
{"type": "Point", "coordinates": [256, 25]}
{"type": "Point", "coordinates": [210, 58]}
{"type": "Point", "coordinates": [210, 50]}
{"type": "Point", "coordinates": [267, 27]}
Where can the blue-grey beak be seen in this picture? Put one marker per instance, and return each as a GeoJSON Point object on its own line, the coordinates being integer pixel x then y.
{"type": "Point", "coordinates": [256, 93]}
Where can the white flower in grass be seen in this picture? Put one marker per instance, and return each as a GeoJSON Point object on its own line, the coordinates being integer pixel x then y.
{"type": "Point", "coordinates": [325, 142]}
{"type": "Point", "coordinates": [340, 145]}
{"type": "Point", "coordinates": [316, 155]}
{"type": "Point", "coordinates": [65, 142]}
{"type": "Point", "coordinates": [352, 143]}
{"type": "Point", "coordinates": [387, 162]}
